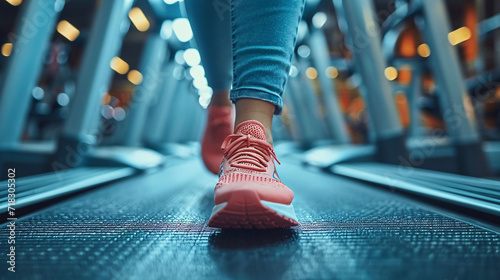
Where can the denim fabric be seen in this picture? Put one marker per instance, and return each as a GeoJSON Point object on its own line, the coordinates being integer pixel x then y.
{"type": "Point", "coordinates": [210, 22]}
{"type": "Point", "coordinates": [260, 35]}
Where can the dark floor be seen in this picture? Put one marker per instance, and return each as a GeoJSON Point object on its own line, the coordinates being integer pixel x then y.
{"type": "Point", "coordinates": [154, 227]}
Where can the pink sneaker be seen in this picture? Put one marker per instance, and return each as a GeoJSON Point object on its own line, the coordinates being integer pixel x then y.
{"type": "Point", "coordinates": [249, 193]}
{"type": "Point", "coordinates": [220, 124]}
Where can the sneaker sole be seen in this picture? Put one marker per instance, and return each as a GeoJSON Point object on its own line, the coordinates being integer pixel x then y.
{"type": "Point", "coordinates": [245, 210]}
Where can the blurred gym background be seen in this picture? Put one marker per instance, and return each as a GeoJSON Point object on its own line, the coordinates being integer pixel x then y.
{"type": "Point", "coordinates": [393, 107]}
{"type": "Point", "coordinates": [474, 33]}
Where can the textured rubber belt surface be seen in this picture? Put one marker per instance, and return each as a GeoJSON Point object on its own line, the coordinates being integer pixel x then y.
{"type": "Point", "coordinates": [154, 227]}
{"type": "Point", "coordinates": [37, 188]}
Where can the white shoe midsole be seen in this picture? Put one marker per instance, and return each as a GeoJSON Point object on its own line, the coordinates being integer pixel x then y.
{"type": "Point", "coordinates": [282, 209]}
{"type": "Point", "coordinates": [217, 208]}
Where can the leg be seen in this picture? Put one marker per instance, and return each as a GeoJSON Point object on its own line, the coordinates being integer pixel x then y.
{"type": "Point", "coordinates": [263, 36]}
{"type": "Point", "coordinates": [250, 193]}
{"type": "Point", "coordinates": [210, 21]}
{"type": "Point", "coordinates": [255, 109]}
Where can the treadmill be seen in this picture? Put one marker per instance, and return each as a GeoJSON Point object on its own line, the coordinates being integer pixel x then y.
{"type": "Point", "coordinates": [74, 162]}
{"type": "Point", "coordinates": [154, 226]}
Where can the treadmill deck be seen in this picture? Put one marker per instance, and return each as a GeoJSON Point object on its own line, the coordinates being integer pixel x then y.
{"type": "Point", "coordinates": [153, 226]}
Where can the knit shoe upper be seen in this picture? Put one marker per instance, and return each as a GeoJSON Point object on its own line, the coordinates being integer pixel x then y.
{"type": "Point", "coordinates": [249, 164]}
{"type": "Point", "coordinates": [219, 126]}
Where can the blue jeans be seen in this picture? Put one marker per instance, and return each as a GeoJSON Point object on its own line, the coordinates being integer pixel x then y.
{"type": "Point", "coordinates": [247, 42]}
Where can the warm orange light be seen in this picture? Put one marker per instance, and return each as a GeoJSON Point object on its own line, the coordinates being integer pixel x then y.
{"type": "Point", "coordinates": [7, 49]}
{"type": "Point", "coordinates": [407, 45]}
{"type": "Point", "coordinates": [14, 2]}
{"type": "Point", "coordinates": [404, 75]}
{"type": "Point", "coordinates": [67, 30]}
{"type": "Point", "coordinates": [460, 35]}
{"type": "Point", "coordinates": [106, 99]}
{"type": "Point", "coordinates": [403, 108]}
{"type": "Point", "coordinates": [311, 73]}
{"type": "Point", "coordinates": [471, 20]}
{"type": "Point", "coordinates": [332, 72]}
{"type": "Point", "coordinates": [119, 65]}
{"type": "Point", "coordinates": [139, 20]}
{"type": "Point", "coordinates": [135, 77]}
{"type": "Point", "coordinates": [391, 73]}
{"type": "Point", "coordinates": [424, 50]}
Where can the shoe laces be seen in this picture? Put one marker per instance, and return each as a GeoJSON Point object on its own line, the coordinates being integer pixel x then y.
{"type": "Point", "coordinates": [248, 152]}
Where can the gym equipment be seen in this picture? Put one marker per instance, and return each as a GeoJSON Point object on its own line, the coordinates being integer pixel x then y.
{"type": "Point", "coordinates": [464, 138]}
{"type": "Point", "coordinates": [348, 230]}
{"type": "Point", "coordinates": [62, 165]}
{"type": "Point", "coordinates": [367, 220]}
{"type": "Point", "coordinates": [466, 192]}
{"type": "Point", "coordinates": [25, 64]}
{"type": "Point", "coordinates": [81, 130]}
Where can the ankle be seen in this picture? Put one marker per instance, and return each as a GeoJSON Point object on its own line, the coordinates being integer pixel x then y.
{"type": "Point", "coordinates": [258, 110]}
{"type": "Point", "coordinates": [220, 98]}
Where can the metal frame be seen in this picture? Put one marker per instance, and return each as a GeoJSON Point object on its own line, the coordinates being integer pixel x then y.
{"type": "Point", "coordinates": [80, 131]}
{"type": "Point", "coordinates": [321, 60]}
{"type": "Point", "coordinates": [302, 104]}
{"type": "Point", "coordinates": [159, 108]}
{"type": "Point", "coordinates": [452, 90]}
{"type": "Point", "coordinates": [32, 38]}
{"type": "Point", "coordinates": [370, 63]}
{"type": "Point", "coordinates": [153, 56]}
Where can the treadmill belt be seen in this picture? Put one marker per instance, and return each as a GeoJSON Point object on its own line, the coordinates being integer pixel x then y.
{"type": "Point", "coordinates": [153, 226]}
